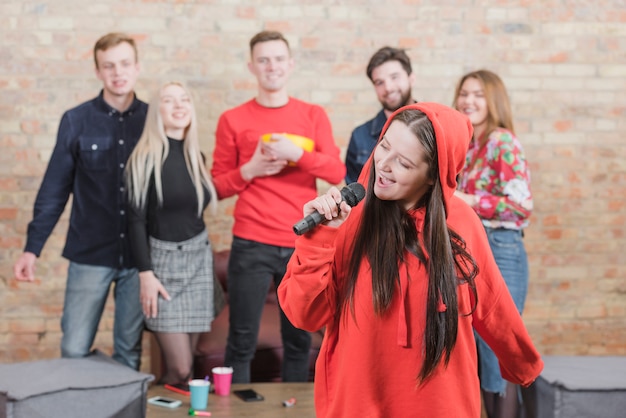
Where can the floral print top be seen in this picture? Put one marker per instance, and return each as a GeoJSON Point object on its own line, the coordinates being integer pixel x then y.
{"type": "Point", "coordinates": [498, 174]}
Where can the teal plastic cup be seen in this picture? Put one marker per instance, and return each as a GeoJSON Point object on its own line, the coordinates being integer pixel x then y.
{"type": "Point", "coordinates": [199, 393]}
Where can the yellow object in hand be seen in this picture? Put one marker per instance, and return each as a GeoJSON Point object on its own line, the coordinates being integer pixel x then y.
{"type": "Point", "coordinates": [303, 142]}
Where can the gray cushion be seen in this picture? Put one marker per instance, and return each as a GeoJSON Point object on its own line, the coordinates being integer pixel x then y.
{"type": "Point", "coordinates": [94, 386]}
{"type": "Point", "coordinates": [581, 386]}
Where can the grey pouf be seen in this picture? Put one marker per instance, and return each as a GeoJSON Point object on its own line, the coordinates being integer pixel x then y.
{"type": "Point", "coordinates": [95, 386]}
{"type": "Point", "coordinates": [580, 387]}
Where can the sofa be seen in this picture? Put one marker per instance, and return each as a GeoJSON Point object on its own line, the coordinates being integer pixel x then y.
{"type": "Point", "coordinates": [266, 365]}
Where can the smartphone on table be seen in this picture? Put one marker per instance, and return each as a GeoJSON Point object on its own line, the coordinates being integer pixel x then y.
{"type": "Point", "coordinates": [165, 402]}
{"type": "Point", "coordinates": [248, 395]}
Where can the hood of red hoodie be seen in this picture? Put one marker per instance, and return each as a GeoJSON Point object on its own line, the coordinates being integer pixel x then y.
{"type": "Point", "coordinates": [453, 133]}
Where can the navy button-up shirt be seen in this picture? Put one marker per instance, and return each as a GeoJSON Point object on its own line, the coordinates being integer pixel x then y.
{"type": "Point", "coordinates": [362, 143]}
{"type": "Point", "coordinates": [93, 143]}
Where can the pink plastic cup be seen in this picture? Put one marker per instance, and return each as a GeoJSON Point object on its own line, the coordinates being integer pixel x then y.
{"type": "Point", "coordinates": [222, 377]}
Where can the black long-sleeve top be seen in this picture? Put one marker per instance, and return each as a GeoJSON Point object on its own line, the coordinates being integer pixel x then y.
{"type": "Point", "coordinates": [176, 219]}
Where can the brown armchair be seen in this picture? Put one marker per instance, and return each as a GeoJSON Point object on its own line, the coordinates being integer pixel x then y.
{"type": "Point", "coordinates": [266, 365]}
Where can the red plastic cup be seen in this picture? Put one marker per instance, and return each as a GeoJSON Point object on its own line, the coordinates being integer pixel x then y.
{"type": "Point", "coordinates": [222, 377]}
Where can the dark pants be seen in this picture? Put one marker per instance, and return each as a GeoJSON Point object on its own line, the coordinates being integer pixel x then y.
{"type": "Point", "coordinates": [251, 267]}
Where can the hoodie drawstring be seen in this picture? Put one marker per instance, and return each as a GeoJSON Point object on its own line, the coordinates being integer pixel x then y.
{"type": "Point", "coordinates": [403, 327]}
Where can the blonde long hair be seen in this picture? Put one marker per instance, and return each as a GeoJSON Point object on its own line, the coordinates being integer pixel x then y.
{"type": "Point", "coordinates": [152, 150]}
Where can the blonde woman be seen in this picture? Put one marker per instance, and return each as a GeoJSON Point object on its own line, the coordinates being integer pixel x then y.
{"type": "Point", "coordinates": [169, 188]}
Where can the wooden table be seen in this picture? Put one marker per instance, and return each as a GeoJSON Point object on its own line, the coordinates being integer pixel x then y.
{"type": "Point", "coordinates": [233, 407]}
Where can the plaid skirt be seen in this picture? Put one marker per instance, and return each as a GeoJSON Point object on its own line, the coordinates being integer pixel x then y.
{"type": "Point", "coordinates": [186, 271]}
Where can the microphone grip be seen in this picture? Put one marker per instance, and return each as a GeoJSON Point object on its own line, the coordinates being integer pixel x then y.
{"type": "Point", "coordinates": [352, 194]}
{"type": "Point", "coordinates": [309, 222]}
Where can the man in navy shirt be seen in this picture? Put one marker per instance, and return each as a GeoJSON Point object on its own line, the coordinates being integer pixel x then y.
{"type": "Point", "coordinates": [94, 141]}
{"type": "Point", "coordinates": [390, 71]}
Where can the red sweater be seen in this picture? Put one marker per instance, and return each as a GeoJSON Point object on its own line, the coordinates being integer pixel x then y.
{"type": "Point", "coordinates": [368, 366]}
{"type": "Point", "coordinates": [267, 207]}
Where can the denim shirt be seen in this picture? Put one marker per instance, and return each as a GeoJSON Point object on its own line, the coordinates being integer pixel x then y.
{"type": "Point", "coordinates": [93, 143]}
{"type": "Point", "coordinates": [362, 143]}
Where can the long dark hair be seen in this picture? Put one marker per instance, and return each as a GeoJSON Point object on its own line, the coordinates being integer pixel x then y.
{"type": "Point", "coordinates": [387, 231]}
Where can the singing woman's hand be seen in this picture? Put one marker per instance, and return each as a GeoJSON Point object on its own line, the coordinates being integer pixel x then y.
{"type": "Point", "coordinates": [331, 205]}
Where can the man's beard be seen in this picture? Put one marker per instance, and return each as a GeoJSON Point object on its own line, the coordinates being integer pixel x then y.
{"type": "Point", "coordinates": [405, 100]}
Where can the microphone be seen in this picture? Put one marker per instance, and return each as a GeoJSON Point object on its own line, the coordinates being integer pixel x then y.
{"type": "Point", "coordinates": [352, 194]}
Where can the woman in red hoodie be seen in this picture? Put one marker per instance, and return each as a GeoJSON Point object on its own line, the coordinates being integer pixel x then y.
{"type": "Point", "coordinates": [401, 280]}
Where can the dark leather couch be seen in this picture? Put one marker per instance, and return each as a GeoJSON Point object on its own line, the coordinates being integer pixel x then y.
{"type": "Point", "coordinates": [266, 365]}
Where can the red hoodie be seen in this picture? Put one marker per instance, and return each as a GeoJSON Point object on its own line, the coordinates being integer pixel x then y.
{"type": "Point", "coordinates": [368, 365]}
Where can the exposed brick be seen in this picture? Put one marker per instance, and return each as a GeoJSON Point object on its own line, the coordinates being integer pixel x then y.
{"type": "Point", "coordinates": [8, 213]}
{"type": "Point", "coordinates": [23, 326]}
{"type": "Point", "coordinates": [563, 67]}
{"type": "Point", "coordinates": [563, 125]}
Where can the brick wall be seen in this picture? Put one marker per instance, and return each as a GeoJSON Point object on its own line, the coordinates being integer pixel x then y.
{"type": "Point", "coordinates": [562, 61]}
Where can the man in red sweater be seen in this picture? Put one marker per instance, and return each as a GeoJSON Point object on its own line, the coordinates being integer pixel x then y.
{"type": "Point", "coordinates": [273, 179]}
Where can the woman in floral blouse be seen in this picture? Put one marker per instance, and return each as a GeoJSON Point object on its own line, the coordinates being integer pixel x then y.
{"type": "Point", "coordinates": [496, 183]}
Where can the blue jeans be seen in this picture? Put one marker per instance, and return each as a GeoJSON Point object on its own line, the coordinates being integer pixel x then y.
{"type": "Point", "coordinates": [508, 249]}
{"type": "Point", "coordinates": [85, 296]}
{"type": "Point", "coordinates": [251, 268]}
